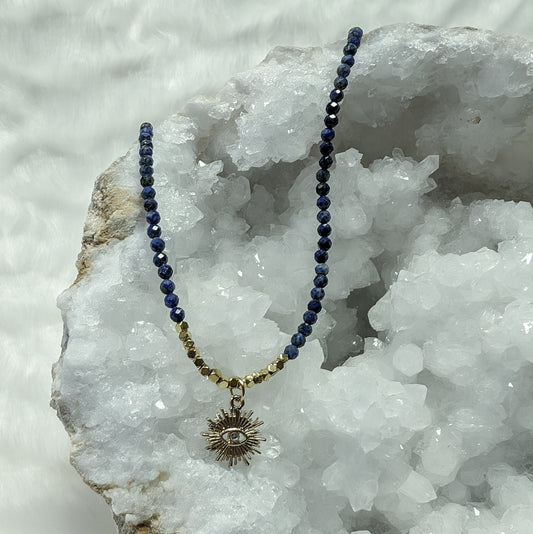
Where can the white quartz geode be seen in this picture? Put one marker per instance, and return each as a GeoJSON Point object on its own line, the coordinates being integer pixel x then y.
{"type": "Point", "coordinates": [430, 428]}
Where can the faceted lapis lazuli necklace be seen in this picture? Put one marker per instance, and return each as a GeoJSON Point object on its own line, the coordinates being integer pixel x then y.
{"type": "Point", "coordinates": [233, 435]}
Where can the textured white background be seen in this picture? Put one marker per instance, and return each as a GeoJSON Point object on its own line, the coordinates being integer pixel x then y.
{"type": "Point", "coordinates": [76, 79]}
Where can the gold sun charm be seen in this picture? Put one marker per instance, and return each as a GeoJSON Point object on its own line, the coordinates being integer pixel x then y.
{"type": "Point", "coordinates": [234, 436]}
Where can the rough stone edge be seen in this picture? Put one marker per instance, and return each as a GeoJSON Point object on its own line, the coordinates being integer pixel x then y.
{"type": "Point", "coordinates": [112, 214]}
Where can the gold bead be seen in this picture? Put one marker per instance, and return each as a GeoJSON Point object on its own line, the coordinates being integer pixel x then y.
{"type": "Point", "coordinates": [199, 362]}
{"type": "Point", "coordinates": [264, 374]}
{"type": "Point", "coordinates": [215, 375]}
{"type": "Point", "coordinates": [192, 353]}
{"type": "Point", "coordinates": [280, 365]}
{"type": "Point", "coordinates": [223, 382]}
{"type": "Point", "coordinates": [189, 344]}
{"type": "Point", "coordinates": [235, 382]}
{"type": "Point", "coordinates": [257, 378]}
{"type": "Point", "coordinates": [205, 370]}
{"type": "Point", "coordinates": [283, 358]}
{"type": "Point", "coordinates": [184, 335]}
{"type": "Point", "coordinates": [249, 381]}
{"type": "Point", "coordinates": [272, 368]}
{"type": "Point", "coordinates": [182, 327]}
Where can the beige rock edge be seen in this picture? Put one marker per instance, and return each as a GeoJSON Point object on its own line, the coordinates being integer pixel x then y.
{"type": "Point", "coordinates": [112, 214]}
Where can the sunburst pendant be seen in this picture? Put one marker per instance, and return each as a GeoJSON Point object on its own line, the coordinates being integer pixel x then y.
{"type": "Point", "coordinates": [234, 436]}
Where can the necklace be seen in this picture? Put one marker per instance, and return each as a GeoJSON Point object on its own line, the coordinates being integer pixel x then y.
{"type": "Point", "coordinates": [233, 435]}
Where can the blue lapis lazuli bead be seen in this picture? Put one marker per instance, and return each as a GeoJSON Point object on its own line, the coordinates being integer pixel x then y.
{"type": "Point", "coordinates": [340, 82]}
{"type": "Point", "coordinates": [305, 329]}
{"type": "Point", "coordinates": [310, 317]}
{"type": "Point", "coordinates": [320, 280]}
{"type": "Point", "coordinates": [343, 70]}
{"type": "Point", "coordinates": [148, 192]}
{"type": "Point", "coordinates": [325, 162]}
{"type": "Point", "coordinates": [145, 125]}
{"type": "Point", "coordinates": [160, 259]}
{"type": "Point", "coordinates": [314, 306]}
{"type": "Point", "coordinates": [324, 243]}
{"type": "Point", "coordinates": [324, 229]}
{"type": "Point", "coordinates": [147, 142]}
{"type": "Point", "coordinates": [317, 293]}
{"type": "Point", "coordinates": [154, 231]}
{"type": "Point", "coordinates": [354, 40]}
{"type": "Point", "coordinates": [321, 256]}
{"type": "Point", "coordinates": [336, 95]}
{"type": "Point", "coordinates": [326, 148]}
{"type": "Point", "coordinates": [322, 175]}
{"type": "Point", "coordinates": [348, 59]}
{"type": "Point", "coordinates": [322, 189]}
{"type": "Point", "coordinates": [147, 181]}
{"type": "Point", "coordinates": [291, 351]}
{"type": "Point", "coordinates": [165, 271]}
{"type": "Point", "coordinates": [355, 32]}
{"type": "Point", "coordinates": [146, 160]}
{"type": "Point", "coordinates": [333, 108]}
{"type": "Point", "coordinates": [331, 120]}
{"type": "Point", "coordinates": [323, 216]}
{"type": "Point", "coordinates": [145, 134]}
{"type": "Point", "coordinates": [298, 340]}
{"type": "Point", "coordinates": [171, 300]}
{"type": "Point", "coordinates": [150, 204]}
{"type": "Point", "coordinates": [327, 134]}
{"type": "Point", "coordinates": [167, 286]}
{"type": "Point", "coordinates": [350, 49]}
{"type": "Point", "coordinates": [157, 244]}
{"type": "Point", "coordinates": [145, 151]}
{"type": "Point", "coordinates": [323, 203]}
{"type": "Point", "coordinates": [177, 314]}
{"type": "Point", "coordinates": [153, 217]}
{"type": "Point", "coordinates": [321, 268]}
{"type": "Point", "coordinates": [146, 170]}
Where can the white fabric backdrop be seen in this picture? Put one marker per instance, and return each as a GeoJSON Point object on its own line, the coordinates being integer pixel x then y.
{"type": "Point", "coordinates": [76, 80]}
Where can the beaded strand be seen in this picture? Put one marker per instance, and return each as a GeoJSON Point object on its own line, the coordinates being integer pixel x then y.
{"type": "Point", "coordinates": [314, 306]}
{"type": "Point", "coordinates": [331, 120]}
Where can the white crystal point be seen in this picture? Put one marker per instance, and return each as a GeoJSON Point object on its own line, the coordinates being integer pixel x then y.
{"type": "Point", "coordinates": [408, 359]}
{"type": "Point", "coordinates": [418, 488]}
{"type": "Point", "coordinates": [431, 270]}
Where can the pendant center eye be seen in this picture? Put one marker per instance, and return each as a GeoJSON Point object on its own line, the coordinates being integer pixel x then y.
{"type": "Point", "coordinates": [234, 436]}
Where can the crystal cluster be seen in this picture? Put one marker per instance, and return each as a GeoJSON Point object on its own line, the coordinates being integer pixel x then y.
{"type": "Point", "coordinates": [410, 409]}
